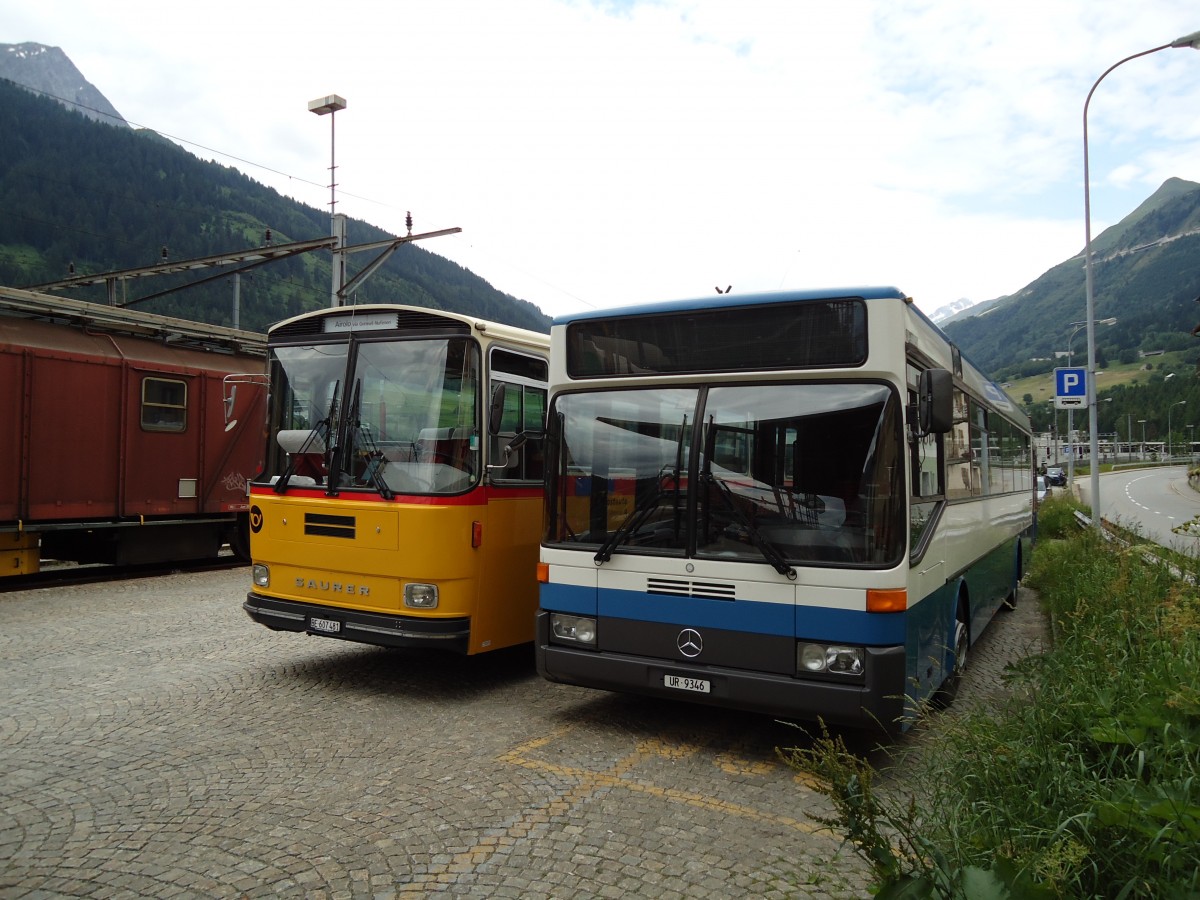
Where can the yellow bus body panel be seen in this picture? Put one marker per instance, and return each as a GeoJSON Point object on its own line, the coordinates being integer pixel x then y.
{"type": "Point", "coordinates": [358, 555]}
{"type": "Point", "coordinates": [508, 589]}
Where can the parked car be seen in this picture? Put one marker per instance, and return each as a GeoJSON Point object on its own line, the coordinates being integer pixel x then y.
{"type": "Point", "coordinates": [1055, 476]}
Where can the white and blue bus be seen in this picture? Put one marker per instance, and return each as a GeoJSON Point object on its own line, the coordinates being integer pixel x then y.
{"type": "Point", "coordinates": [803, 504]}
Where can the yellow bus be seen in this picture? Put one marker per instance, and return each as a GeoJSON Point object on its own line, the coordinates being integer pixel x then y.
{"type": "Point", "coordinates": [401, 497]}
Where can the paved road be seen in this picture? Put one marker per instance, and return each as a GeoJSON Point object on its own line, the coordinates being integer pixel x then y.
{"type": "Point", "coordinates": [157, 743]}
{"type": "Point", "coordinates": [1157, 502]}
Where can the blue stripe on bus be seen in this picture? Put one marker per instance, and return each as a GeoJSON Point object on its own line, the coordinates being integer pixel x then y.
{"type": "Point", "coordinates": [811, 622]}
{"type": "Point", "coordinates": [568, 598]}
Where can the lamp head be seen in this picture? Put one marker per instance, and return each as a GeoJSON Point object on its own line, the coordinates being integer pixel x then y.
{"type": "Point", "coordinates": [1188, 40]}
{"type": "Point", "coordinates": [323, 106]}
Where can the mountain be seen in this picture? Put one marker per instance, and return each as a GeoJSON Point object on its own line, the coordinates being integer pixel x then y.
{"type": "Point", "coordinates": [1146, 275]}
{"type": "Point", "coordinates": [49, 71]}
{"type": "Point", "coordinates": [91, 196]}
{"type": "Point", "coordinates": [953, 310]}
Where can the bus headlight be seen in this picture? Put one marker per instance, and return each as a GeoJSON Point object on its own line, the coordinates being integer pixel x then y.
{"type": "Point", "coordinates": [831, 659]}
{"type": "Point", "coordinates": [261, 575]}
{"type": "Point", "coordinates": [421, 596]}
{"type": "Point", "coordinates": [576, 629]}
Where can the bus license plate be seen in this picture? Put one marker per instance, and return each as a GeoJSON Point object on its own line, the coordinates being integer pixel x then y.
{"type": "Point", "coordinates": [329, 626]}
{"type": "Point", "coordinates": [679, 683]}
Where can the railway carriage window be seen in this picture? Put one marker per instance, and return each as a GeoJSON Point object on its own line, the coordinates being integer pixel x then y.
{"type": "Point", "coordinates": [164, 404]}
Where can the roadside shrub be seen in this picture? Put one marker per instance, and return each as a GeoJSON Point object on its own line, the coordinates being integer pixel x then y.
{"type": "Point", "coordinates": [1085, 784]}
{"type": "Point", "coordinates": [1056, 516]}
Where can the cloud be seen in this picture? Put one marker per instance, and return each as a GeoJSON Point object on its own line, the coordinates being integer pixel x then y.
{"type": "Point", "coordinates": [602, 153]}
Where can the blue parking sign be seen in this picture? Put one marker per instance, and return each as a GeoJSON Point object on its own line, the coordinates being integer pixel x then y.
{"type": "Point", "coordinates": [1070, 387]}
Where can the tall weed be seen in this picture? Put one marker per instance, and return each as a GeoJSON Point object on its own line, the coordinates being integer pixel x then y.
{"type": "Point", "coordinates": [1086, 784]}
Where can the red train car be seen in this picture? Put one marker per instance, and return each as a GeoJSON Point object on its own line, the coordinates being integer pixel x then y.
{"type": "Point", "coordinates": [127, 437]}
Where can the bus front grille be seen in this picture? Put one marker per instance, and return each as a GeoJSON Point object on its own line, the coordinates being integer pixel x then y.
{"type": "Point", "coordinates": [677, 588]}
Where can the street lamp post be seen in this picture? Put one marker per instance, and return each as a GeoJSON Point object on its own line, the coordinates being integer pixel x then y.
{"type": "Point", "coordinates": [328, 106]}
{"type": "Point", "coordinates": [1192, 41]}
{"type": "Point", "coordinates": [1075, 326]}
{"type": "Point", "coordinates": [1191, 441]}
{"type": "Point", "coordinates": [1170, 437]}
{"type": "Point", "coordinates": [1142, 422]}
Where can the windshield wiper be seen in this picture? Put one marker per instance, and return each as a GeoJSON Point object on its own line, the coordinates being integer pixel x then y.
{"type": "Point", "coordinates": [769, 551]}
{"type": "Point", "coordinates": [374, 461]}
{"type": "Point", "coordinates": [633, 520]}
{"type": "Point", "coordinates": [321, 430]}
{"type": "Point", "coordinates": [641, 512]}
{"type": "Point", "coordinates": [340, 454]}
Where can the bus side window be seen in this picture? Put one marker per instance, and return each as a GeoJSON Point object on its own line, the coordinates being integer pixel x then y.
{"type": "Point", "coordinates": [927, 488]}
{"type": "Point", "coordinates": [523, 379]}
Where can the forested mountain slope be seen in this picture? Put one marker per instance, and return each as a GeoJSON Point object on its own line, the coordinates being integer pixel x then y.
{"type": "Point", "coordinates": [103, 197]}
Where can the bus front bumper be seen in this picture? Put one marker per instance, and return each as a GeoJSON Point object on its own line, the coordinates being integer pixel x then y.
{"type": "Point", "coordinates": [353, 625]}
{"type": "Point", "coordinates": [868, 705]}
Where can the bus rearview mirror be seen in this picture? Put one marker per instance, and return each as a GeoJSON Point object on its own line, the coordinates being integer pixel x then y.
{"type": "Point", "coordinates": [935, 401]}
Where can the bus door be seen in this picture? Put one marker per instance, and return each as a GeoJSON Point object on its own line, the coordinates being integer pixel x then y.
{"type": "Point", "coordinates": [510, 525]}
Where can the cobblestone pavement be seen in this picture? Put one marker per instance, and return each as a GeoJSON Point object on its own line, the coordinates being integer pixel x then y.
{"type": "Point", "coordinates": [157, 743]}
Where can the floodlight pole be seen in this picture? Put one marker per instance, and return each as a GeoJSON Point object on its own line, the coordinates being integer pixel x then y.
{"type": "Point", "coordinates": [337, 223]}
{"type": "Point", "coordinates": [1192, 41]}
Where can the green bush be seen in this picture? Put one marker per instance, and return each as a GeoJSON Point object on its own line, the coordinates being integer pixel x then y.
{"type": "Point", "coordinates": [1087, 784]}
{"type": "Point", "coordinates": [1056, 516]}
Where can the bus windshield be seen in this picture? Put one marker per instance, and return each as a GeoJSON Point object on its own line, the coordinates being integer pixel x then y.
{"type": "Point", "coordinates": [809, 473]}
{"type": "Point", "coordinates": [390, 416]}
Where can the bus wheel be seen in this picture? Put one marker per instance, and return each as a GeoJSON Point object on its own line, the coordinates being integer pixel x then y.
{"type": "Point", "coordinates": [945, 694]}
{"type": "Point", "coordinates": [239, 537]}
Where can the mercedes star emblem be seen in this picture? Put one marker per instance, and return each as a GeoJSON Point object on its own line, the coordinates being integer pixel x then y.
{"type": "Point", "coordinates": [689, 643]}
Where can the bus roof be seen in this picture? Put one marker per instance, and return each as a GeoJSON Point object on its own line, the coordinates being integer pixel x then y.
{"type": "Point", "coordinates": [994, 394]}
{"type": "Point", "coordinates": [725, 300]}
{"type": "Point", "coordinates": [475, 323]}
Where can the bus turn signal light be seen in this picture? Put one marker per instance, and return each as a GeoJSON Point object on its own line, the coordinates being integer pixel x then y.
{"type": "Point", "coordinates": [887, 601]}
{"type": "Point", "coordinates": [543, 573]}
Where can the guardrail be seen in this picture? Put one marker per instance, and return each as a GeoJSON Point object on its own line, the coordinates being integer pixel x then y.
{"type": "Point", "coordinates": [1083, 520]}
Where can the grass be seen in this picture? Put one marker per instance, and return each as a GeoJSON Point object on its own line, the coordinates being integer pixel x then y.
{"type": "Point", "coordinates": [1089, 786]}
{"type": "Point", "coordinates": [1041, 387]}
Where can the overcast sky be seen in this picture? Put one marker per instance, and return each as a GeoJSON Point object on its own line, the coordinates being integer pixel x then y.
{"type": "Point", "coordinates": [611, 152]}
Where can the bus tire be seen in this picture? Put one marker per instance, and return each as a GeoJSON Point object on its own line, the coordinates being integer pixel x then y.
{"type": "Point", "coordinates": [239, 537]}
{"type": "Point", "coordinates": [945, 693]}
